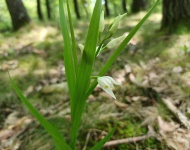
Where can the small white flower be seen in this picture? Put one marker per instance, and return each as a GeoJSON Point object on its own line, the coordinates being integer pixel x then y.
{"type": "Point", "coordinates": [107, 83]}
{"type": "Point", "coordinates": [81, 47]}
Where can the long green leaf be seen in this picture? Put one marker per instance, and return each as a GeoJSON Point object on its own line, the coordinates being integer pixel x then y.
{"type": "Point", "coordinates": [74, 48]}
{"type": "Point", "coordinates": [56, 135]}
{"type": "Point", "coordinates": [120, 48]}
{"type": "Point", "coordinates": [84, 71]}
{"type": "Point", "coordinates": [101, 143]}
{"type": "Point", "coordinates": [69, 56]}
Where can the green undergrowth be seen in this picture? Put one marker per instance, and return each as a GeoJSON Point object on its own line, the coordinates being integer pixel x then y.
{"type": "Point", "coordinates": [126, 128]}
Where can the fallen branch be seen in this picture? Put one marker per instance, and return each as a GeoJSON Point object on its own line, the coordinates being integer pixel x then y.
{"type": "Point", "coordinates": [87, 139]}
{"type": "Point", "coordinates": [128, 140]}
{"type": "Point", "coordinates": [182, 118]}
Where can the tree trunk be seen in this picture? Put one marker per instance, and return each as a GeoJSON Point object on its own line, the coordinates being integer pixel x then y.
{"type": "Point", "coordinates": [115, 8]}
{"type": "Point", "coordinates": [138, 5]}
{"type": "Point", "coordinates": [84, 3]}
{"type": "Point", "coordinates": [18, 13]}
{"type": "Point", "coordinates": [48, 8]}
{"type": "Point", "coordinates": [124, 5]}
{"type": "Point", "coordinates": [76, 9]}
{"type": "Point", "coordinates": [175, 13]}
{"type": "Point", "coordinates": [107, 8]}
{"type": "Point", "coordinates": [39, 10]}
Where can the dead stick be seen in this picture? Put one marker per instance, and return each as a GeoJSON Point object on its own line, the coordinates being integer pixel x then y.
{"type": "Point", "coordinates": [183, 119]}
{"type": "Point", "coordinates": [127, 140]}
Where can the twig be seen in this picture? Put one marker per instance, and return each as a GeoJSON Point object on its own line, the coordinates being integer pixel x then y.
{"type": "Point", "coordinates": [87, 139]}
{"type": "Point", "coordinates": [182, 118]}
{"type": "Point", "coordinates": [128, 140]}
{"type": "Point", "coordinates": [120, 104]}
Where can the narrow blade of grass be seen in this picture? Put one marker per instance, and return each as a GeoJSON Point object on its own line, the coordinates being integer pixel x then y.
{"type": "Point", "coordinates": [69, 56]}
{"type": "Point", "coordinates": [101, 143]}
{"type": "Point", "coordinates": [120, 48]}
{"type": "Point", "coordinates": [84, 71]}
{"type": "Point", "coordinates": [74, 48]}
{"type": "Point", "coordinates": [56, 135]}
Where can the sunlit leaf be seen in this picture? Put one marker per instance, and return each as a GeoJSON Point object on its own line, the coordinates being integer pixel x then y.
{"type": "Point", "coordinates": [69, 56]}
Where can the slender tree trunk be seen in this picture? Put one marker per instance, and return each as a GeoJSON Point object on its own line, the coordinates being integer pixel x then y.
{"type": "Point", "coordinates": [115, 8]}
{"type": "Point", "coordinates": [124, 5]}
{"type": "Point", "coordinates": [48, 8]}
{"type": "Point", "coordinates": [18, 13]}
{"type": "Point", "coordinates": [138, 5]}
{"type": "Point", "coordinates": [39, 10]}
{"type": "Point", "coordinates": [76, 9]}
{"type": "Point", "coordinates": [84, 3]}
{"type": "Point", "coordinates": [107, 8]}
{"type": "Point", "coordinates": [175, 13]}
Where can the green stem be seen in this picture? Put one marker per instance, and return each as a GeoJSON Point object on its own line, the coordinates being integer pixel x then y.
{"type": "Point", "coordinates": [107, 36]}
{"type": "Point", "coordinates": [94, 77]}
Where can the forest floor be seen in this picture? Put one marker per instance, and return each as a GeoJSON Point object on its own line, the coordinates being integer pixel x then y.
{"type": "Point", "coordinates": [152, 107]}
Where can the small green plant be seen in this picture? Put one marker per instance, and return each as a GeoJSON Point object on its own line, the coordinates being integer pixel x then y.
{"type": "Point", "coordinates": [184, 49]}
{"type": "Point", "coordinates": [79, 73]}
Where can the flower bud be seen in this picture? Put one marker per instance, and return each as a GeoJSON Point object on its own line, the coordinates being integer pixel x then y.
{"type": "Point", "coordinates": [81, 47]}
{"type": "Point", "coordinates": [115, 23]}
{"type": "Point", "coordinates": [116, 42]}
{"type": "Point", "coordinates": [101, 25]}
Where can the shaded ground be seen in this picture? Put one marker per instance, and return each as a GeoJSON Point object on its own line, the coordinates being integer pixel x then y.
{"type": "Point", "coordinates": [155, 77]}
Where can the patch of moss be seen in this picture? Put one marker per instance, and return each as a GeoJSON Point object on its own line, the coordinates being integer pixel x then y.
{"type": "Point", "coordinates": [147, 144]}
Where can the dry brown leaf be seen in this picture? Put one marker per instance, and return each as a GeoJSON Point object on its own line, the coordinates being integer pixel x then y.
{"type": "Point", "coordinates": [137, 83]}
{"type": "Point", "coordinates": [139, 98]}
{"type": "Point", "coordinates": [128, 68]}
{"type": "Point", "coordinates": [150, 114]}
{"type": "Point", "coordinates": [165, 126]}
{"type": "Point", "coordinates": [175, 137]}
{"type": "Point", "coordinates": [9, 136]}
{"type": "Point", "coordinates": [11, 118]}
{"type": "Point", "coordinates": [119, 75]}
{"type": "Point", "coordinates": [142, 64]}
{"type": "Point", "coordinates": [184, 120]}
{"type": "Point", "coordinates": [6, 133]}
{"type": "Point", "coordinates": [177, 69]}
{"type": "Point", "coordinates": [120, 104]}
{"type": "Point", "coordinates": [9, 65]}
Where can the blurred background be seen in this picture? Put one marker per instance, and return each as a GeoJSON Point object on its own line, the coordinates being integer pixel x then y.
{"type": "Point", "coordinates": [152, 107]}
{"type": "Point", "coordinates": [46, 10]}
